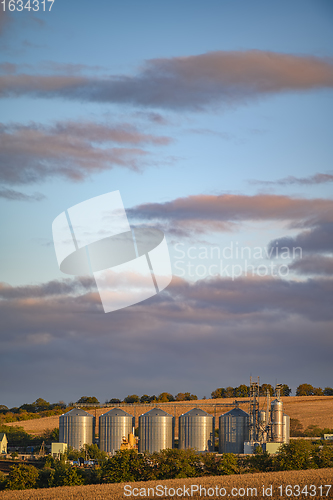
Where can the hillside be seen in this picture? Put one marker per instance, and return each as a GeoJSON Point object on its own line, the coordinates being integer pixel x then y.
{"type": "Point", "coordinates": [309, 410]}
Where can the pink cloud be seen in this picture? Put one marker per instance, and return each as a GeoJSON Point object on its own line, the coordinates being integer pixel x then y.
{"type": "Point", "coordinates": [192, 82]}
{"type": "Point", "coordinates": [72, 150]}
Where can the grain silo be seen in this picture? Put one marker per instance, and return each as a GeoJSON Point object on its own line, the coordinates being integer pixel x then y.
{"type": "Point", "coordinates": [156, 431]}
{"type": "Point", "coordinates": [77, 428]}
{"type": "Point", "coordinates": [197, 430]}
{"type": "Point", "coordinates": [233, 431]}
{"type": "Point", "coordinates": [277, 421]}
{"type": "Point", "coordinates": [286, 429]}
{"type": "Point", "coordinates": [113, 426]}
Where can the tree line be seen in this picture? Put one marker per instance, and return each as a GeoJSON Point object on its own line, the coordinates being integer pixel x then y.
{"type": "Point", "coordinates": [164, 397]}
{"type": "Point", "coordinates": [43, 408]}
{"type": "Point", "coordinates": [243, 391]}
{"type": "Point", "coordinates": [309, 390]}
{"type": "Point", "coordinates": [128, 466]}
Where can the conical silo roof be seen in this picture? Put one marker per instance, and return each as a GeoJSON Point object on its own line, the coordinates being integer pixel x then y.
{"type": "Point", "coordinates": [197, 412]}
{"type": "Point", "coordinates": [236, 412]}
{"type": "Point", "coordinates": [77, 412]}
{"type": "Point", "coordinates": [117, 412]}
{"type": "Point", "coordinates": [156, 412]}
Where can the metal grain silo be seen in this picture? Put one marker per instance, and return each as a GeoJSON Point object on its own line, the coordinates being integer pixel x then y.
{"type": "Point", "coordinates": [76, 428]}
{"type": "Point", "coordinates": [197, 430]}
{"type": "Point", "coordinates": [277, 421]}
{"type": "Point", "coordinates": [286, 429]}
{"type": "Point", "coordinates": [113, 426]}
{"type": "Point", "coordinates": [233, 431]}
{"type": "Point", "coordinates": [156, 431]}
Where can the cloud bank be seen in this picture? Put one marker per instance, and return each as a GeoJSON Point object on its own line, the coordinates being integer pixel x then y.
{"type": "Point", "coordinates": [193, 82]}
{"type": "Point", "coordinates": [302, 181]}
{"type": "Point", "coordinates": [206, 213]}
{"type": "Point", "coordinates": [73, 150]}
{"type": "Point", "coordinates": [13, 195]}
{"type": "Point", "coordinates": [60, 328]}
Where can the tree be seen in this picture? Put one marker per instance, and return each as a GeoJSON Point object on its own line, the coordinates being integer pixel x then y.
{"type": "Point", "coordinates": [261, 461]}
{"type": "Point", "coordinates": [113, 401]}
{"type": "Point", "coordinates": [296, 455]}
{"type": "Point", "coordinates": [263, 389]}
{"type": "Point", "coordinates": [145, 398]}
{"type": "Point", "coordinates": [312, 431]}
{"type": "Point", "coordinates": [296, 428]}
{"type": "Point", "coordinates": [126, 466]}
{"type": "Point", "coordinates": [304, 390]}
{"type": "Point", "coordinates": [228, 464]}
{"type": "Point", "coordinates": [132, 399]}
{"type": "Point", "coordinates": [172, 464]}
{"type": "Point", "coordinates": [88, 400]}
{"type": "Point", "coordinates": [324, 456]}
{"type": "Point", "coordinates": [65, 475]}
{"type": "Point", "coordinates": [51, 435]}
{"type": "Point", "coordinates": [186, 396]}
{"type": "Point", "coordinates": [317, 391]}
{"type": "Point", "coordinates": [22, 477]}
{"type": "Point", "coordinates": [94, 453]}
{"type": "Point", "coordinates": [190, 397]}
{"type": "Point", "coordinates": [17, 436]}
{"type": "Point", "coordinates": [29, 407]}
{"type": "Point", "coordinates": [328, 391]}
{"type": "Point", "coordinates": [229, 392]}
{"type": "Point", "coordinates": [41, 405]}
{"type": "Point", "coordinates": [242, 391]}
{"type": "Point", "coordinates": [285, 390]}
{"type": "Point", "coordinates": [165, 397]}
{"type": "Point", "coordinates": [218, 393]}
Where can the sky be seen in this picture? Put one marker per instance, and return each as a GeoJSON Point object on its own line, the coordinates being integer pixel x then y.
{"type": "Point", "coordinates": [213, 120]}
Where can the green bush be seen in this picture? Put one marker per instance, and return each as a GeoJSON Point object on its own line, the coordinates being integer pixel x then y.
{"type": "Point", "coordinates": [228, 464]}
{"type": "Point", "coordinates": [174, 464]}
{"type": "Point", "coordinates": [126, 466]}
{"type": "Point", "coordinates": [94, 453]}
{"type": "Point", "coordinates": [261, 461]}
{"type": "Point", "coordinates": [296, 455]}
{"type": "Point", "coordinates": [65, 475]}
{"type": "Point", "coordinates": [22, 477]}
{"type": "Point", "coordinates": [3, 480]}
{"type": "Point", "coordinates": [324, 456]}
{"type": "Point", "coordinates": [210, 464]}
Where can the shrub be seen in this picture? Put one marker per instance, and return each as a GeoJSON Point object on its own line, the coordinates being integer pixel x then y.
{"type": "Point", "coordinates": [22, 477]}
{"type": "Point", "coordinates": [173, 464]}
{"type": "Point", "coordinates": [228, 464]}
{"type": "Point", "coordinates": [64, 475]}
{"type": "Point", "coordinates": [261, 461]}
{"type": "Point", "coordinates": [324, 456]}
{"type": "Point", "coordinates": [295, 456]}
{"type": "Point", "coordinates": [126, 466]}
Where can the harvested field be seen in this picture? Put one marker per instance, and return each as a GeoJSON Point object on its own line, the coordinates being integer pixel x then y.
{"type": "Point", "coordinates": [309, 410]}
{"type": "Point", "coordinates": [116, 491]}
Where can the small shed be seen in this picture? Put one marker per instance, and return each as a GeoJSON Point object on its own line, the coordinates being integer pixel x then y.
{"type": "Point", "coordinates": [3, 443]}
{"type": "Point", "coordinates": [58, 449]}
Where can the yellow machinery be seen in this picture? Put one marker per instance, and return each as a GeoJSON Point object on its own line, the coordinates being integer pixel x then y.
{"type": "Point", "coordinates": [129, 443]}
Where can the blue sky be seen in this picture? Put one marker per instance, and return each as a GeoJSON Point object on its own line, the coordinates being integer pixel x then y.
{"type": "Point", "coordinates": [213, 120]}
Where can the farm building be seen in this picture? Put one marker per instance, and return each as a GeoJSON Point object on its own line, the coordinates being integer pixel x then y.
{"type": "Point", "coordinates": [3, 443]}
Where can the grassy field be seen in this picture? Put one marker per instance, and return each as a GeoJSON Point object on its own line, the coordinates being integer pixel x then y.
{"type": "Point", "coordinates": [308, 410]}
{"type": "Point", "coordinates": [241, 482]}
